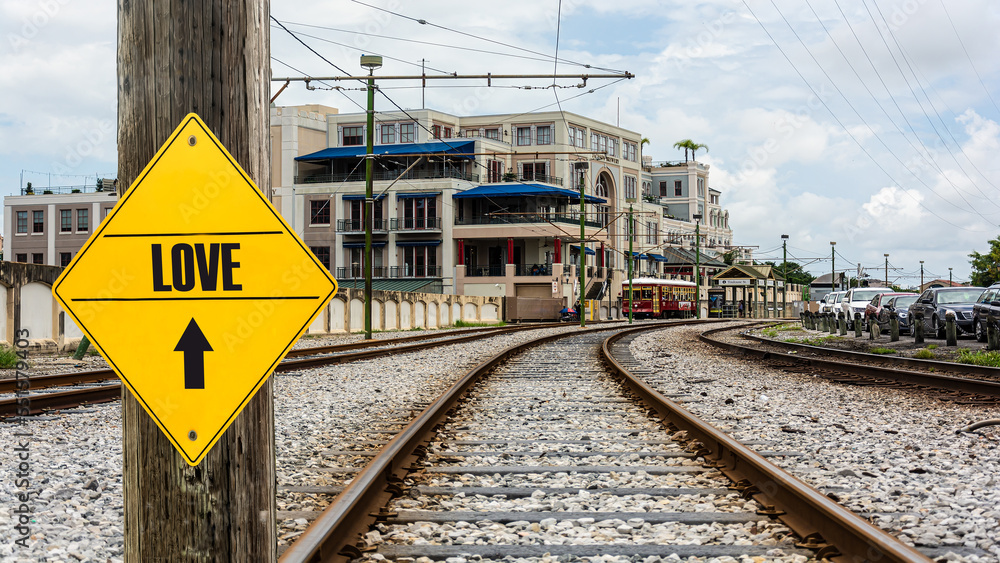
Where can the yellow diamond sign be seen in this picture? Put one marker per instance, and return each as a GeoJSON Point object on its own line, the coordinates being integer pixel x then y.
{"type": "Point", "coordinates": [194, 288]}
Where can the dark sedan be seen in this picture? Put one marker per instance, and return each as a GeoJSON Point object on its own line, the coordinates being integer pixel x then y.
{"type": "Point", "coordinates": [899, 303]}
{"type": "Point", "coordinates": [936, 302]}
{"type": "Point", "coordinates": [875, 306]}
{"type": "Point", "coordinates": [988, 305]}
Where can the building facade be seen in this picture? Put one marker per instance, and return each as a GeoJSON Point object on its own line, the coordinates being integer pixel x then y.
{"type": "Point", "coordinates": [50, 225]}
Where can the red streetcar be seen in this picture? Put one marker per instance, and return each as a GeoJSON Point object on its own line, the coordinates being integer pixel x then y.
{"type": "Point", "coordinates": [653, 297]}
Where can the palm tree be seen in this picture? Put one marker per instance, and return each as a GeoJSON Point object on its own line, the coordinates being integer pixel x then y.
{"type": "Point", "coordinates": [684, 144]}
{"type": "Point", "coordinates": [697, 146]}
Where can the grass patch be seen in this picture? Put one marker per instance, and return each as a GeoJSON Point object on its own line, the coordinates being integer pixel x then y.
{"type": "Point", "coordinates": [932, 346]}
{"type": "Point", "coordinates": [979, 358]}
{"type": "Point", "coordinates": [924, 354]}
{"type": "Point", "coordinates": [466, 324]}
{"type": "Point", "coordinates": [791, 328]}
{"type": "Point", "coordinates": [813, 341]}
{"type": "Point", "coordinates": [8, 358]}
{"type": "Point", "coordinates": [770, 332]}
{"type": "Point", "coordinates": [881, 350]}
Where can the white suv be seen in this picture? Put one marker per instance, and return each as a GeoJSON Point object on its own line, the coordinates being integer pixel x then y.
{"type": "Point", "coordinates": [829, 301]}
{"type": "Point", "coordinates": [857, 299]}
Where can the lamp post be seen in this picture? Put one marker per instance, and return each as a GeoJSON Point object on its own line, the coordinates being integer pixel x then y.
{"type": "Point", "coordinates": [697, 265]}
{"type": "Point", "coordinates": [372, 63]}
{"type": "Point", "coordinates": [784, 274]}
{"type": "Point", "coordinates": [582, 167]}
{"type": "Point", "coordinates": [921, 275]}
{"type": "Point", "coordinates": [887, 270]}
{"type": "Point", "coordinates": [949, 278]}
{"type": "Point", "coordinates": [833, 266]}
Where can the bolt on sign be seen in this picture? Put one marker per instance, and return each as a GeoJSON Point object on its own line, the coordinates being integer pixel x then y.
{"type": "Point", "coordinates": [194, 288]}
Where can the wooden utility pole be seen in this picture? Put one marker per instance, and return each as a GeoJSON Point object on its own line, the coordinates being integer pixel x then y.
{"type": "Point", "coordinates": [210, 58]}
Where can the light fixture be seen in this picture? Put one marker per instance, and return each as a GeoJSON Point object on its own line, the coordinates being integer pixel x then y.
{"type": "Point", "coordinates": [371, 62]}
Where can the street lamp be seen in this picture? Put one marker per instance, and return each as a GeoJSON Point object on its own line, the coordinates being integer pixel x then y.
{"type": "Point", "coordinates": [887, 270]}
{"type": "Point", "coordinates": [697, 265]}
{"type": "Point", "coordinates": [833, 265]}
{"type": "Point", "coordinates": [372, 63]}
{"type": "Point", "coordinates": [784, 274]}
{"type": "Point", "coordinates": [949, 278]}
{"type": "Point", "coordinates": [921, 275]}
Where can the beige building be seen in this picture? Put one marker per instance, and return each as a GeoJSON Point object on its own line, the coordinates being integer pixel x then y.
{"type": "Point", "coordinates": [50, 225]}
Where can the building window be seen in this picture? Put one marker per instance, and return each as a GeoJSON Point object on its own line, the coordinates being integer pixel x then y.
{"type": "Point", "coordinates": [543, 135]}
{"type": "Point", "coordinates": [64, 258]}
{"type": "Point", "coordinates": [387, 134]}
{"type": "Point", "coordinates": [37, 258]}
{"type": "Point", "coordinates": [38, 221]}
{"type": "Point", "coordinates": [593, 141]}
{"type": "Point", "coordinates": [701, 187]}
{"type": "Point", "coordinates": [436, 131]}
{"type": "Point", "coordinates": [420, 213]}
{"type": "Point", "coordinates": [470, 133]}
{"type": "Point", "coordinates": [447, 132]}
{"type": "Point", "coordinates": [494, 171]}
{"type": "Point", "coordinates": [493, 134]}
{"type": "Point", "coordinates": [651, 233]}
{"type": "Point", "coordinates": [82, 220]}
{"type": "Point", "coordinates": [358, 262]}
{"type": "Point", "coordinates": [663, 189]}
{"type": "Point", "coordinates": [534, 170]}
{"type": "Point", "coordinates": [21, 257]}
{"type": "Point", "coordinates": [579, 138]}
{"type": "Point", "coordinates": [319, 212]}
{"type": "Point", "coordinates": [353, 136]}
{"type": "Point", "coordinates": [678, 189]}
{"type": "Point", "coordinates": [322, 254]}
{"type": "Point", "coordinates": [406, 133]}
{"type": "Point", "coordinates": [612, 147]}
{"type": "Point", "coordinates": [420, 261]}
{"type": "Point", "coordinates": [357, 213]}
{"type": "Point", "coordinates": [523, 136]}
{"type": "Point", "coordinates": [22, 221]}
{"type": "Point", "coordinates": [576, 135]}
{"type": "Point", "coordinates": [630, 184]}
{"type": "Point", "coordinates": [65, 220]}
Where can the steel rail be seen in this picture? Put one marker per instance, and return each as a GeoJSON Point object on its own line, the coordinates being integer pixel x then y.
{"type": "Point", "coordinates": [93, 376]}
{"type": "Point", "coordinates": [866, 357]}
{"type": "Point", "coordinates": [332, 536]}
{"type": "Point", "coordinates": [837, 532]}
{"type": "Point", "coordinates": [44, 402]}
{"type": "Point", "coordinates": [938, 381]}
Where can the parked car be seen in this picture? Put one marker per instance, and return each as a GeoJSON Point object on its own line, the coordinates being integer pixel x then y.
{"type": "Point", "coordinates": [900, 304]}
{"type": "Point", "coordinates": [828, 301]}
{"type": "Point", "coordinates": [857, 298]}
{"type": "Point", "coordinates": [874, 308]}
{"type": "Point", "coordinates": [987, 304]}
{"type": "Point", "coordinates": [936, 302]}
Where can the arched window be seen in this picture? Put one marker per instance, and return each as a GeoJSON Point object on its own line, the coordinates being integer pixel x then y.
{"type": "Point", "coordinates": [600, 190]}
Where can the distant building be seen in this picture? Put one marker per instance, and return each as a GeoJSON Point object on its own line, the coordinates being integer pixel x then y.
{"type": "Point", "coordinates": [50, 225]}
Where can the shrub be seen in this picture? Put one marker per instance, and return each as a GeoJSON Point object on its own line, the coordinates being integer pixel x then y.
{"type": "Point", "coordinates": [932, 346]}
{"type": "Point", "coordinates": [8, 358]}
{"type": "Point", "coordinates": [881, 350]}
{"type": "Point", "coordinates": [980, 358]}
{"type": "Point", "coordinates": [924, 354]}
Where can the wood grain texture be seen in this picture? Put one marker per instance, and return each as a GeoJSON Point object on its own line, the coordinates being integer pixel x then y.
{"type": "Point", "coordinates": [209, 57]}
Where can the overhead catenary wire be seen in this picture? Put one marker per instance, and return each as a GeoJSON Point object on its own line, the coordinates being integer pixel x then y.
{"type": "Point", "coordinates": [844, 126]}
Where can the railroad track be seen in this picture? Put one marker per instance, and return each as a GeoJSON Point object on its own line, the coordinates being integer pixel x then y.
{"type": "Point", "coordinates": [84, 392]}
{"type": "Point", "coordinates": [554, 448]}
{"type": "Point", "coordinates": [965, 384]}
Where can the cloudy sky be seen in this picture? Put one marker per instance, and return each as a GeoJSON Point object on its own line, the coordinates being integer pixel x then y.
{"type": "Point", "coordinates": [870, 123]}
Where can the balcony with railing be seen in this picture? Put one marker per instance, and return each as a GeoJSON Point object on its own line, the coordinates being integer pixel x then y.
{"type": "Point", "coordinates": [533, 270]}
{"type": "Point", "coordinates": [544, 178]}
{"type": "Point", "coordinates": [491, 271]}
{"type": "Point", "coordinates": [358, 226]}
{"type": "Point", "coordinates": [527, 218]}
{"type": "Point", "coordinates": [386, 175]}
{"type": "Point", "coordinates": [420, 224]}
{"type": "Point", "coordinates": [391, 272]}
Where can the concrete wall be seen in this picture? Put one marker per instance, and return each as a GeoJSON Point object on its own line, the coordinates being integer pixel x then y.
{"type": "Point", "coordinates": [396, 310]}
{"type": "Point", "coordinates": [27, 304]}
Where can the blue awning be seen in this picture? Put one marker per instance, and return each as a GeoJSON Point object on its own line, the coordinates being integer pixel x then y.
{"type": "Point", "coordinates": [636, 255]}
{"type": "Point", "coordinates": [416, 195]}
{"type": "Point", "coordinates": [379, 244]}
{"type": "Point", "coordinates": [419, 243]}
{"type": "Point", "coordinates": [589, 251]}
{"type": "Point", "coordinates": [656, 257]}
{"type": "Point", "coordinates": [434, 147]}
{"type": "Point", "coordinates": [357, 197]}
{"type": "Point", "coordinates": [525, 190]}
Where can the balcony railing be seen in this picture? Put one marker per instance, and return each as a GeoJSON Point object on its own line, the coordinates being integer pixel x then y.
{"type": "Point", "coordinates": [523, 218]}
{"type": "Point", "coordinates": [533, 270]}
{"type": "Point", "coordinates": [393, 272]}
{"type": "Point", "coordinates": [358, 226]}
{"type": "Point", "coordinates": [80, 189]}
{"type": "Point", "coordinates": [495, 271]}
{"type": "Point", "coordinates": [554, 180]}
{"type": "Point", "coordinates": [415, 224]}
{"type": "Point", "coordinates": [385, 175]}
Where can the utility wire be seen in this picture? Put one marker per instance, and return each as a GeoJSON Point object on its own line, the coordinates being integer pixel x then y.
{"type": "Point", "coordinates": [841, 123]}
{"type": "Point", "coordinates": [425, 22]}
{"type": "Point", "coordinates": [973, 65]}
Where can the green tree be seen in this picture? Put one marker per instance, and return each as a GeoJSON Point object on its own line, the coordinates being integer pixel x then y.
{"type": "Point", "coordinates": [986, 267]}
{"type": "Point", "coordinates": [796, 274]}
{"type": "Point", "coordinates": [689, 145]}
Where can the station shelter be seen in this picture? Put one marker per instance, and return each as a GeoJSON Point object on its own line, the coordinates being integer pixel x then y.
{"type": "Point", "coordinates": [756, 287]}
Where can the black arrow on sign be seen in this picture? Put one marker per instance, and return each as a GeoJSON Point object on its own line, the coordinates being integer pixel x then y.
{"type": "Point", "coordinates": [194, 345]}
